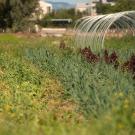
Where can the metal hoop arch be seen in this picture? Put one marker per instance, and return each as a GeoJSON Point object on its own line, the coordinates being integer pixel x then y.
{"type": "Point", "coordinates": [90, 31]}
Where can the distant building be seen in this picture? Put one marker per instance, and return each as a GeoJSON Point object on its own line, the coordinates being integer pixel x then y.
{"type": "Point", "coordinates": [90, 8]}
{"type": "Point", "coordinates": [105, 1]}
{"type": "Point", "coordinates": [82, 7]}
{"type": "Point", "coordinates": [108, 2]}
{"type": "Point", "coordinates": [45, 7]}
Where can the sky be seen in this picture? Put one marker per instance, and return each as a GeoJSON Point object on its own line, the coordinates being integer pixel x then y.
{"type": "Point", "coordinates": [70, 1]}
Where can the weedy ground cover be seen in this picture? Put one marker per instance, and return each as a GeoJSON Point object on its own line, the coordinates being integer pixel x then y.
{"type": "Point", "coordinates": [49, 90]}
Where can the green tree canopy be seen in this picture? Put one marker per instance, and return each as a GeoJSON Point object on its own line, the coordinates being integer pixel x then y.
{"type": "Point", "coordinates": [16, 13]}
{"type": "Point", "coordinates": [124, 5]}
{"type": "Point", "coordinates": [120, 5]}
{"type": "Point", "coordinates": [104, 8]}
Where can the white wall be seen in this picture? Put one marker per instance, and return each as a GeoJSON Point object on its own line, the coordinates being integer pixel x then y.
{"type": "Point", "coordinates": [46, 8]}
{"type": "Point", "coordinates": [81, 9]}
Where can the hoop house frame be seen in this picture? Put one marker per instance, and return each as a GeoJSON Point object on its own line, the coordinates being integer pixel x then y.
{"type": "Point", "coordinates": [90, 31]}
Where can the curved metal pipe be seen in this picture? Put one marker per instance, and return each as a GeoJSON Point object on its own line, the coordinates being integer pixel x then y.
{"type": "Point", "coordinates": [91, 30]}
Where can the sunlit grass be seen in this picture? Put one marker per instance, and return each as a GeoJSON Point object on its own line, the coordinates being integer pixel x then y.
{"type": "Point", "coordinates": [50, 91]}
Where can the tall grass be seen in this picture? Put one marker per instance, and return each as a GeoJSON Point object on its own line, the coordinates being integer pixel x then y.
{"type": "Point", "coordinates": [47, 90]}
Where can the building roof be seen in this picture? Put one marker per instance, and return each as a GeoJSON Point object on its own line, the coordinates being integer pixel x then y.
{"type": "Point", "coordinates": [85, 5]}
{"type": "Point", "coordinates": [82, 5]}
{"type": "Point", "coordinates": [62, 20]}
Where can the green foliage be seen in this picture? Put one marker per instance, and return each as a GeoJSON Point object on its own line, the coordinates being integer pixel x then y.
{"type": "Point", "coordinates": [124, 5]}
{"type": "Point", "coordinates": [104, 8]}
{"type": "Point", "coordinates": [15, 13]}
{"type": "Point", "coordinates": [120, 5]}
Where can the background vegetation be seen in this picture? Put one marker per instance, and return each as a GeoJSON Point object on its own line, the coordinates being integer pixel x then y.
{"type": "Point", "coordinates": [120, 5]}
{"type": "Point", "coordinates": [61, 14]}
{"type": "Point", "coordinates": [15, 14]}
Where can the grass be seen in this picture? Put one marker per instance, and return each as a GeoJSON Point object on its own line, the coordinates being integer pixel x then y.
{"type": "Point", "coordinates": [121, 43]}
{"type": "Point", "coordinates": [46, 90]}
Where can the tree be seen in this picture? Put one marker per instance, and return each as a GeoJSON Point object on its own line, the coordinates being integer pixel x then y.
{"type": "Point", "coordinates": [15, 13]}
{"type": "Point", "coordinates": [124, 5]}
{"type": "Point", "coordinates": [5, 18]}
{"type": "Point", "coordinates": [104, 8]}
{"type": "Point", "coordinates": [120, 5]}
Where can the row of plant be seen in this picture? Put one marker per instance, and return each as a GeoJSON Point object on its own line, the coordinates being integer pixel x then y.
{"type": "Point", "coordinates": [112, 58]}
{"type": "Point", "coordinates": [92, 86]}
